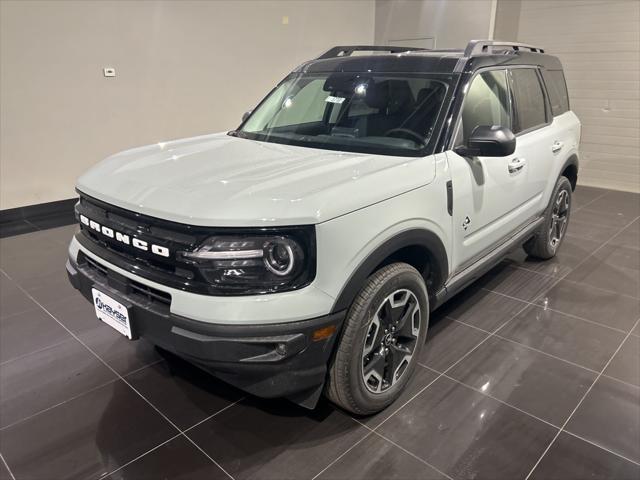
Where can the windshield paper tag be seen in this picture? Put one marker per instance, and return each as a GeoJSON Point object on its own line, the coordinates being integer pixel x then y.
{"type": "Point", "coordinates": [332, 99]}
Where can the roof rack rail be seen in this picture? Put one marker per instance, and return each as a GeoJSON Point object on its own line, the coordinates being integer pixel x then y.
{"type": "Point", "coordinates": [346, 50]}
{"type": "Point", "coordinates": [480, 46]}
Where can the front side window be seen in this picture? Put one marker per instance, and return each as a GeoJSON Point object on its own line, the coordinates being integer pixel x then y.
{"type": "Point", "coordinates": [486, 103]}
{"type": "Point", "coordinates": [557, 89]}
{"type": "Point", "coordinates": [361, 112]}
{"type": "Point", "coordinates": [529, 99]}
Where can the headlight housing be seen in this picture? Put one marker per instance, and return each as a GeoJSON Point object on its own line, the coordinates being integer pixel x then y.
{"type": "Point", "coordinates": [264, 261]}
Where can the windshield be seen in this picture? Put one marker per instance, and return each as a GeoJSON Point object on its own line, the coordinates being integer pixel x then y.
{"type": "Point", "coordinates": [381, 113]}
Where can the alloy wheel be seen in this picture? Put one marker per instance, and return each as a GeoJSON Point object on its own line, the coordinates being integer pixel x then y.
{"type": "Point", "coordinates": [391, 340]}
{"type": "Point", "coordinates": [559, 219]}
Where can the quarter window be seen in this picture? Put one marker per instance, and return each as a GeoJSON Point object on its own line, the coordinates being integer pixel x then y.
{"type": "Point", "coordinates": [486, 103]}
{"type": "Point", "coordinates": [529, 99]}
{"type": "Point", "coordinates": [557, 89]}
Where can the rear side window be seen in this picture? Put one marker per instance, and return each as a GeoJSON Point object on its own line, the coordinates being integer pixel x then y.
{"type": "Point", "coordinates": [557, 89]}
{"type": "Point", "coordinates": [529, 99]}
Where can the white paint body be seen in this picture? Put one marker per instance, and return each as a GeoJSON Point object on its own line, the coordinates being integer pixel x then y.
{"type": "Point", "coordinates": [356, 201]}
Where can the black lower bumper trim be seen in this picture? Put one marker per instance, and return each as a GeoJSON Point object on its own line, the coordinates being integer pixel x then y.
{"type": "Point", "coordinates": [267, 360]}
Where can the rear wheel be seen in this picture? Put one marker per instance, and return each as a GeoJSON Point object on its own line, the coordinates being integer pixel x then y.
{"type": "Point", "coordinates": [550, 234]}
{"type": "Point", "coordinates": [383, 335]}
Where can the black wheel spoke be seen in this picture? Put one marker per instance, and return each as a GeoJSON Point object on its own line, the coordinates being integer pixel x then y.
{"type": "Point", "coordinates": [405, 324]}
{"type": "Point", "coordinates": [376, 364]}
{"type": "Point", "coordinates": [391, 340]}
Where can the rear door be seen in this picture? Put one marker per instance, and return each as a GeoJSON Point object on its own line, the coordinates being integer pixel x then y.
{"type": "Point", "coordinates": [536, 137]}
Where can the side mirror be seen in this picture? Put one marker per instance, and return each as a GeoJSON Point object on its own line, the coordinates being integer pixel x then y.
{"type": "Point", "coordinates": [488, 141]}
{"type": "Point", "coordinates": [246, 114]}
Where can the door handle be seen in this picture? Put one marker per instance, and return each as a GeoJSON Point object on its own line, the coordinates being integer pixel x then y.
{"type": "Point", "coordinates": [516, 165]}
{"type": "Point", "coordinates": [557, 146]}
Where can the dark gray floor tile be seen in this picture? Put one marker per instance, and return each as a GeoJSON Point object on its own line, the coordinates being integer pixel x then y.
{"type": "Point", "coordinates": [375, 458]}
{"type": "Point", "coordinates": [569, 338]}
{"type": "Point", "coordinates": [28, 332]}
{"type": "Point", "coordinates": [516, 282]}
{"type": "Point", "coordinates": [120, 353]}
{"type": "Point", "coordinates": [13, 300]}
{"type": "Point", "coordinates": [601, 306]}
{"type": "Point", "coordinates": [184, 393]}
{"type": "Point", "coordinates": [50, 288]}
{"type": "Point", "coordinates": [4, 472]}
{"type": "Point", "coordinates": [276, 439]}
{"type": "Point", "coordinates": [615, 220]}
{"type": "Point", "coordinates": [612, 268]}
{"type": "Point", "coordinates": [85, 437]}
{"type": "Point", "coordinates": [482, 308]}
{"type": "Point", "coordinates": [625, 365]}
{"type": "Point", "coordinates": [63, 235]}
{"type": "Point", "coordinates": [419, 380]}
{"type": "Point", "coordinates": [534, 382]}
{"type": "Point", "coordinates": [570, 458]}
{"type": "Point", "coordinates": [571, 253]}
{"type": "Point", "coordinates": [468, 435]}
{"type": "Point", "coordinates": [25, 267]}
{"type": "Point", "coordinates": [629, 237]}
{"type": "Point", "coordinates": [618, 203]}
{"type": "Point", "coordinates": [43, 379]}
{"type": "Point", "coordinates": [447, 342]}
{"type": "Point", "coordinates": [584, 195]}
{"type": "Point", "coordinates": [636, 330]}
{"type": "Point", "coordinates": [609, 416]}
{"type": "Point", "coordinates": [177, 459]}
{"type": "Point", "coordinates": [589, 231]}
{"type": "Point", "coordinates": [32, 255]}
{"type": "Point", "coordinates": [76, 313]}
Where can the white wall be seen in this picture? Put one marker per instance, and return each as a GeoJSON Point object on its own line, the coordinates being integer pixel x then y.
{"type": "Point", "coordinates": [452, 22]}
{"type": "Point", "coordinates": [183, 68]}
{"type": "Point", "coordinates": [598, 42]}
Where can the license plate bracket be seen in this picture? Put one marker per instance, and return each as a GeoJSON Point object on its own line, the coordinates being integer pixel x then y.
{"type": "Point", "coordinates": [113, 311]}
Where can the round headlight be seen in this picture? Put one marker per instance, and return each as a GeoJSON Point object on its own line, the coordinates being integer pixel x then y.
{"type": "Point", "coordinates": [278, 257]}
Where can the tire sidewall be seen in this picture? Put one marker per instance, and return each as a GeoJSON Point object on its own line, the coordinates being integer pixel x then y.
{"type": "Point", "coordinates": [562, 184]}
{"type": "Point", "coordinates": [408, 279]}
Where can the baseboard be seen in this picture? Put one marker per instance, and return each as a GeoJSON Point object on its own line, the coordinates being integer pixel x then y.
{"type": "Point", "coordinates": [14, 221]}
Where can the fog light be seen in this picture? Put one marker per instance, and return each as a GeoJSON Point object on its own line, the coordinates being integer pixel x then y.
{"type": "Point", "coordinates": [281, 349]}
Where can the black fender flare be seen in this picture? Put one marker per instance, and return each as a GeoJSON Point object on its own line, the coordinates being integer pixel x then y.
{"type": "Point", "coordinates": [572, 160]}
{"type": "Point", "coordinates": [418, 237]}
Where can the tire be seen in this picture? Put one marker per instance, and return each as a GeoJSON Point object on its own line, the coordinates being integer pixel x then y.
{"type": "Point", "coordinates": [549, 236]}
{"type": "Point", "coordinates": [390, 298]}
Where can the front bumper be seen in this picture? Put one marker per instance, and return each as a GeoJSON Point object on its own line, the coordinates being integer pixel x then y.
{"type": "Point", "coordinates": [267, 360]}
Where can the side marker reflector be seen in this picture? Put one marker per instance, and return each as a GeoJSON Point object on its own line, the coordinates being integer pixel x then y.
{"type": "Point", "coordinates": [323, 333]}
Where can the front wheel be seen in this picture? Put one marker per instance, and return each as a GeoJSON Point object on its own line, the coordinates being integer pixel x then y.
{"type": "Point", "coordinates": [550, 234]}
{"type": "Point", "coordinates": [383, 335]}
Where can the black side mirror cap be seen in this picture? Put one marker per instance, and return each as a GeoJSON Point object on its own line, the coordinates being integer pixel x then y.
{"type": "Point", "coordinates": [488, 141]}
{"type": "Point", "coordinates": [246, 114]}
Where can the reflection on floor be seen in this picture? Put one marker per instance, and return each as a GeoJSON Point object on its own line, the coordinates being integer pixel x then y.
{"type": "Point", "coordinates": [534, 370]}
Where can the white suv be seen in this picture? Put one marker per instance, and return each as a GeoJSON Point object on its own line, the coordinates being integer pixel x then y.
{"type": "Point", "coordinates": [303, 252]}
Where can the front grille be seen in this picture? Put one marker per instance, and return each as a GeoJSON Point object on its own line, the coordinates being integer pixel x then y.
{"type": "Point", "coordinates": [127, 286]}
{"type": "Point", "coordinates": [161, 261]}
{"type": "Point", "coordinates": [172, 236]}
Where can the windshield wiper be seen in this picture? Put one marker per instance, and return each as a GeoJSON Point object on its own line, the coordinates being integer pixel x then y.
{"type": "Point", "coordinates": [236, 133]}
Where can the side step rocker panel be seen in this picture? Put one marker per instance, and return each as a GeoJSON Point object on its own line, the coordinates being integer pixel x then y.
{"type": "Point", "coordinates": [474, 271]}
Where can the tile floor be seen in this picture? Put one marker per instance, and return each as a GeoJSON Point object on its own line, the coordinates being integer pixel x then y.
{"type": "Point", "coordinates": [532, 372]}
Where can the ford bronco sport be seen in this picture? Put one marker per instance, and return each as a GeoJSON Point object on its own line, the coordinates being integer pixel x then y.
{"type": "Point", "coordinates": [302, 253]}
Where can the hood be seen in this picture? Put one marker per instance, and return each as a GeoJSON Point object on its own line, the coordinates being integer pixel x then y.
{"type": "Point", "coordinates": [219, 180]}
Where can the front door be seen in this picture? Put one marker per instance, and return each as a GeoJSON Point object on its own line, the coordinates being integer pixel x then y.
{"type": "Point", "coordinates": [491, 195]}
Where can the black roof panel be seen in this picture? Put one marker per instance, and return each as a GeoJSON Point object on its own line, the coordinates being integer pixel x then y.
{"type": "Point", "coordinates": [428, 61]}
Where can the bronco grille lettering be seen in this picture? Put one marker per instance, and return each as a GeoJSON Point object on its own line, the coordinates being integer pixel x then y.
{"type": "Point", "coordinates": [124, 238]}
